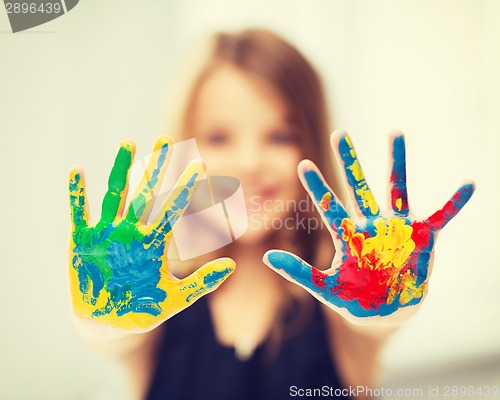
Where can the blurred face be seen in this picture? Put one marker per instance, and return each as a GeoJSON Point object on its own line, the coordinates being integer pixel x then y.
{"type": "Point", "coordinates": [242, 127]}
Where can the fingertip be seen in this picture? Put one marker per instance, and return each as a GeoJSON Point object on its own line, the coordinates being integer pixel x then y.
{"type": "Point", "coordinates": [220, 270]}
{"type": "Point", "coordinates": [76, 176]}
{"type": "Point", "coordinates": [336, 137]}
{"type": "Point", "coordinates": [227, 263]}
{"type": "Point", "coordinates": [265, 257]}
{"type": "Point", "coordinates": [467, 190]}
{"type": "Point", "coordinates": [470, 185]}
{"type": "Point", "coordinates": [197, 166]}
{"type": "Point", "coordinates": [128, 145]}
{"type": "Point", "coordinates": [275, 258]}
{"type": "Point", "coordinates": [396, 133]}
{"type": "Point", "coordinates": [343, 148]}
{"type": "Point", "coordinates": [397, 140]}
{"type": "Point", "coordinates": [163, 145]}
{"type": "Point", "coordinates": [288, 265]}
{"type": "Point", "coordinates": [163, 141]}
{"type": "Point", "coordinates": [305, 166]}
{"type": "Point", "coordinates": [76, 170]}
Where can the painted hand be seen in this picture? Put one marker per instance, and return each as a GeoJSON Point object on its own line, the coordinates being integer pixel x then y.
{"type": "Point", "coordinates": [118, 267]}
{"type": "Point", "coordinates": [382, 265]}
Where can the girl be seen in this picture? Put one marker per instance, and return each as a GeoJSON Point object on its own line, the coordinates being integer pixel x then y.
{"type": "Point", "coordinates": [256, 109]}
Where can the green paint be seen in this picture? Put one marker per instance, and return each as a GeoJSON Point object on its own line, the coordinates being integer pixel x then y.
{"type": "Point", "coordinates": [116, 185]}
{"type": "Point", "coordinates": [137, 207]}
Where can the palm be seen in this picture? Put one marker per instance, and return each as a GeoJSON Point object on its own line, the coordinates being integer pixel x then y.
{"type": "Point", "coordinates": [382, 265]}
{"type": "Point", "coordinates": [118, 268]}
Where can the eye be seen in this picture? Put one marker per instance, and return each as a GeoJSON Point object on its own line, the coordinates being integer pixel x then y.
{"type": "Point", "coordinates": [216, 137]}
{"type": "Point", "coordinates": [283, 137]}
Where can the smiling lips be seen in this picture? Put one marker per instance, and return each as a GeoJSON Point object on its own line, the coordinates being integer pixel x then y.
{"type": "Point", "coordinates": [261, 195]}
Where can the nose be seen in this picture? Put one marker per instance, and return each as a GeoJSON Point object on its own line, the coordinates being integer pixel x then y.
{"type": "Point", "coordinates": [249, 157]}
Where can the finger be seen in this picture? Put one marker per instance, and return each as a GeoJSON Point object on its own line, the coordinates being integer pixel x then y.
{"type": "Point", "coordinates": [143, 199]}
{"type": "Point", "coordinates": [78, 198]}
{"type": "Point", "coordinates": [399, 195]}
{"type": "Point", "coordinates": [296, 270]}
{"type": "Point", "coordinates": [178, 200]}
{"type": "Point", "coordinates": [327, 203]}
{"type": "Point", "coordinates": [205, 279]}
{"type": "Point", "coordinates": [114, 199]}
{"type": "Point", "coordinates": [363, 197]}
{"type": "Point", "coordinates": [440, 218]}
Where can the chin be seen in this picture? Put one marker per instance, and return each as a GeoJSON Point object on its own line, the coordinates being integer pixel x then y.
{"type": "Point", "coordinates": [253, 237]}
{"type": "Point", "coordinates": [262, 228]}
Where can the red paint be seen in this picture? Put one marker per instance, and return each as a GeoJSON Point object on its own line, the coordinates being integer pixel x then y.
{"type": "Point", "coordinates": [440, 218]}
{"type": "Point", "coordinates": [357, 245]}
{"type": "Point", "coordinates": [325, 201]}
{"type": "Point", "coordinates": [368, 286]}
{"type": "Point", "coordinates": [421, 234]}
{"type": "Point", "coordinates": [318, 278]}
{"type": "Point", "coordinates": [398, 193]}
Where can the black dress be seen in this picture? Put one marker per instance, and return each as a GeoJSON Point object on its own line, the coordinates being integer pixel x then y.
{"type": "Point", "coordinates": [193, 365]}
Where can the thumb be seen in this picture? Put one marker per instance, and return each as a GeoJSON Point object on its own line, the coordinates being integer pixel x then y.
{"type": "Point", "coordinates": [296, 270]}
{"type": "Point", "coordinates": [207, 278]}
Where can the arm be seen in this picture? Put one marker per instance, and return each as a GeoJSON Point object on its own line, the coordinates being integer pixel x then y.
{"type": "Point", "coordinates": [356, 350]}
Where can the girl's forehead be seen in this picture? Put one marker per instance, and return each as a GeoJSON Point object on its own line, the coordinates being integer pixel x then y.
{"type": "Point", "coordinates": [231, 90]}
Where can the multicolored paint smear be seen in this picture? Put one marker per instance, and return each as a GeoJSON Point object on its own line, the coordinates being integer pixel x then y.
{"type": "Point", "coordinates": [118, 267]}
{"type": "Point", "coordinates": [384, 261]}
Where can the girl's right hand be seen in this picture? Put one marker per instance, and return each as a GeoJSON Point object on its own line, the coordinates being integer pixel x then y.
{"type": "Point", "coordinates": [118, 267]}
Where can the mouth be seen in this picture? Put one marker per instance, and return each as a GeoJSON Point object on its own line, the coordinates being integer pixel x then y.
{"type": "Point", "coordinates": [255, 199]}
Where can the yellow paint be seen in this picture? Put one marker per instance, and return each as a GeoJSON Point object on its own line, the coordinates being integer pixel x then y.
{"type": "Point", "coordinates": [362, 188]}
{"type": "Point", "coordinates": [142, 188]}
{"type": "Point", "coordinates": [399, 203]}
{"type": "Point", "coordinates": [388, 250]}
{"type": "Point", "coordinates": [351, 146]}
{"type": "Point", "coordinates": [177, 293]}
{"type": "Point", "coordinates": [325, 201]}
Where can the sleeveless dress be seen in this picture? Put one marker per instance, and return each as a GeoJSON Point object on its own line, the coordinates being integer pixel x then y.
{"type": "Point", "coordinates": [192, 364]}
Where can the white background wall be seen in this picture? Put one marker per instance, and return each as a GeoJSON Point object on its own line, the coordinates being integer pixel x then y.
{"type": "Point", "coordinates": [72, 89]}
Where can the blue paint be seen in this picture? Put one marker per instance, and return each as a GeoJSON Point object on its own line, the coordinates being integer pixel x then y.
{"type": "Point", "coordinates": [161, 160]}
{"type": "Point", "coordinates": [398, 177]}
{"type": "Point", "coordinates": [134, 280]}
{"type": "Point", "coordinates": [345, 153]}
{"type": "Point", "coordinates": [77, 201]}
{"type": "Point", "coordinates": [301, 272]}
{"type": "Point", "coordinates": [139, 202]}
{"type": "Point", "coordinates": [215, 277]}
{"type": "Point", "coordinates": [422, 266]}
{"type": "Point", "coordinates": [180, 203]}
{"type": "Point", "coordinates": [335, 213]}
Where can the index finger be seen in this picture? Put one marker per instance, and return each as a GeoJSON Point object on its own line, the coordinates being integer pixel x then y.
{"type": "Point", "coordinates": [145, 194]}
{"type": "Point", "coordinates": [361, 193]}
{"type": "Point", "coordinates": [325, 200]}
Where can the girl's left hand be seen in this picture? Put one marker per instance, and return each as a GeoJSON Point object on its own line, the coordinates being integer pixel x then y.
{"type": "Point", "coordinates": [382, 264]}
